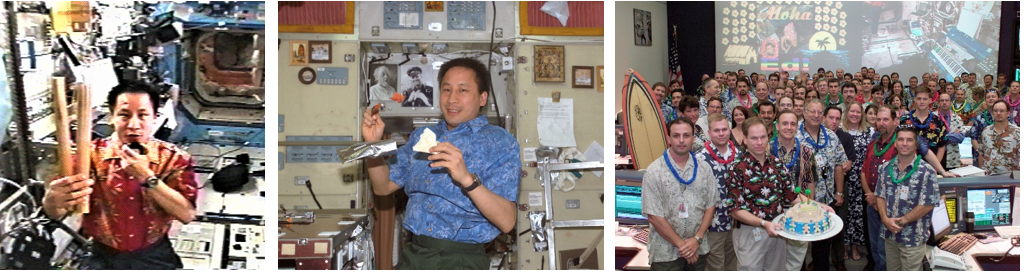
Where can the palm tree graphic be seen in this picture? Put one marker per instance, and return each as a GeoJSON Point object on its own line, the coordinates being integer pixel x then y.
{"type": "Point", "coordinates": [822, 43]}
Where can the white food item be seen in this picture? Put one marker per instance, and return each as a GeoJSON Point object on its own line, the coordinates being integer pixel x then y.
{"type": "Point", "coordinates": [427, 141]}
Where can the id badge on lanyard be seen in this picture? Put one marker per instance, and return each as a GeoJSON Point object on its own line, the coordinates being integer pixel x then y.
{"type": "Point", "coordinates": [682, 211]}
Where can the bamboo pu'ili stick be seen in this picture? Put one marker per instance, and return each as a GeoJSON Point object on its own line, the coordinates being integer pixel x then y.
{"type": "Point", "coordinates": [84, 138]}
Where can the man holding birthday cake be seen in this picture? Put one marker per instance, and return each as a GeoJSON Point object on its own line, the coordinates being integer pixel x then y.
{"type": "Point", "coordinates": [758, 194]}
{"type": "Point", "coordinates": [907, 193]}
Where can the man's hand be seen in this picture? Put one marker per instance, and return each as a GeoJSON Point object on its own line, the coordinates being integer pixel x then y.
{"type": "Point", "coordinates": [871, 199]}
{"type": "Point", "coordinates": [771, 228]}
{"type": "Point", "coordinates": [138, 166]}
{"type": "Point", "coordinates": [67, 192]}
{"type": "Point", "coordinates": [891, 224]}
{"type": "Point", "coordinates": [838, 200]}
{"type": "Point", "coordinates": [450, 157]}
{"type": "Point", "coordinates": [692, 260]}
{"type": "Point", "coordinates": [373, 128]}
{"type": "Point", "coordinates": [950, 175]}
{"type": "Point", "coordinates": [689, 248]}
{"type": "Point", "coordinates": [829, 209]}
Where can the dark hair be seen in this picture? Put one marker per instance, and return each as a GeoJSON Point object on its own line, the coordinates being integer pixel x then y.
{"type": "Point", "coordinates": [827, 110]}
{"type": "Point", "coordinates": [481, 77]}
{"type": "Point", "coordinates": [744, 81]}
{"type": "Point", "coordinates": [714, 99]}
{"type": "Point", "coordinates": [848, 75]}
{"type": "Point", "coordinates": [415, 68]}
{"type": "Point", "coordinates": [484, 81]}
{"type": "Point", "coordinates": [677, 90]}
{"type": "Point", "coordinates": [681, 120]}
{"type": "Point", "coordinates": [758, 107]}
{"type": "Point", "coordinates": [893, 112]}
{"type": "Point", "coordinates": [130, 86]}
{"type": "Point", "coordinates": [877, 88]}
{"type": "Point", "coordinates": [833, 80]}
{"type": "Point", "coordinates": [658, 84]}
{"type": "Point", "coordinates": [730, 73]}
{"type": "Point", "coordinates": [774, 75]}
{"type": "Point", "coordinates": [908, 128]}
{"type": "Point", "coordinates": [688, 102]}
{"type": "Point", "coordinates": [744, 110]}
{"type": "Point", "coordinates": [1007, 106]}
{"type": "Point", "coordinates": [849, 85]}
{"type": "Point", "coordinates": [785, 111]}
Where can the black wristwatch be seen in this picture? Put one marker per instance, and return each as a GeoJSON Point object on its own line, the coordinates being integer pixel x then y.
{"type": "Point", "coordinates": [150, 182]}
{"type": "Point", "coordinates": [477, 182]}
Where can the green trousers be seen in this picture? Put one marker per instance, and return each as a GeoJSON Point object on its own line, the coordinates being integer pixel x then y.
{"type": "Point", "coordinates": [426, 253]}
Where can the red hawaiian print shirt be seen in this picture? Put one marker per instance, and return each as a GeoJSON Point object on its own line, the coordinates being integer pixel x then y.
{"type": "Point", "coordinates": [122, 216]}
{"type": "Point", "coordinates": [759, 188]}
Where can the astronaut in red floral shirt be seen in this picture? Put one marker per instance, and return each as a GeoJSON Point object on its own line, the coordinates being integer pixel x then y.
{"type": "Point", "coordinates": [134, 194]}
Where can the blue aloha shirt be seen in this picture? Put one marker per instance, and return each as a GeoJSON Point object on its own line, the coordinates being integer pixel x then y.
{"type": "Point", "coordinates": [669, 112]}
{"type": "Point", "coordinates": [922, 190]}
{"type": "Point", "coordinates": [722, 220]}
{"type": "Point", "coordinates": [438, 207]}
{"type": "Point", "coordinates": [832, 154]}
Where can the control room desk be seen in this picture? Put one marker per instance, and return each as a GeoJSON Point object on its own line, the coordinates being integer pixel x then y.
{"type": "Point", "coordinates": [997, 249]}
{"type": "Point", "coordinates": [640, 260]}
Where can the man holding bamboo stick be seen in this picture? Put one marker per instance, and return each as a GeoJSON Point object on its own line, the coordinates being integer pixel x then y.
{"type": "Point", "coordinates": [135, 188]}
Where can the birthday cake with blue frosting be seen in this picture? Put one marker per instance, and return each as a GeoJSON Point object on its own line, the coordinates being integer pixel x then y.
{"type": "Point", "coordinates": [806, 219]}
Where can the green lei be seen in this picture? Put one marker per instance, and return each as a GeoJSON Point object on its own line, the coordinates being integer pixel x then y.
{"type": "Point", "coordinates": [915, 166]}
{"type": "Point", "coordinates": [827, 101]}
{"type": "Point", "coordinates": [881, 153]}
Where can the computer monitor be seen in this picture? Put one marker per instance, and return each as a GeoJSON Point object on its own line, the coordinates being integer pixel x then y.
{"type": "Point", "coordinates": [628, 204]}
{"type": "Point", "coordinates": [990, 206]}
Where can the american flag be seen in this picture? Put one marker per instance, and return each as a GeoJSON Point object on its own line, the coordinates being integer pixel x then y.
{"type": "Point", "coordinates": [675, 71]}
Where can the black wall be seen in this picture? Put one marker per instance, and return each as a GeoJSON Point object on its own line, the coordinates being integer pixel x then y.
{"type": "Point", "coordinates": [696, 38]}
{"type": "Point", "coordinates": [1009, 38]}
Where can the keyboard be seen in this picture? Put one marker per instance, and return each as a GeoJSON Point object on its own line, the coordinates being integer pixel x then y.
{"type": "Point", "coordinates": [1007, 231]}
{"type": "Point", "coordinates": [642, 236]}
{"type": "Point", "coordinates": [959, 243]}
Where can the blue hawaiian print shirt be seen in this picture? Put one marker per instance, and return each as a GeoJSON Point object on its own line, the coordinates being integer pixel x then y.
{"type": "Point", "coordinates": [920, 189]}
{"type": "Point", "coordinates": [438, 208]}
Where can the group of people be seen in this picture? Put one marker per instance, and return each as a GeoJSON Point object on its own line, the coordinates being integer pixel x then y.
{"type": "Point", "coordinates": [741, 150]}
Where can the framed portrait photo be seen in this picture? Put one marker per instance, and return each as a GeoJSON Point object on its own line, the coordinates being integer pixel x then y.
{"type": "Point", "coordinates": [320, 51]}
{"type": "Point", "coordinates": [642, 27]}
{"type": "Point", "coordinates": [584, 77]}
{"type": "Point", "coordinates": [299, 53]}
{"type": "Point", "coordinates": [600, 73]}
{"type": "Point", "coordinates": [549, 64]}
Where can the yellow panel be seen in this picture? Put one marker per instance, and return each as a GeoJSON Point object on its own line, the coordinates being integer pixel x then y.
{"type": "Point", "coordinates": [346, 28]}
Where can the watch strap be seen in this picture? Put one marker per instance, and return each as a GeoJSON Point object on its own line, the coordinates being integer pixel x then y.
{"type": "Point", "coordinates": [477, 182]}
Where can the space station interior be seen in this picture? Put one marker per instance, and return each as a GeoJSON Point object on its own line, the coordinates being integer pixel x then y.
{"type": "Point", "coordinates": [334, 66]}
{"type": "Point", "coordinates": [207, 61]}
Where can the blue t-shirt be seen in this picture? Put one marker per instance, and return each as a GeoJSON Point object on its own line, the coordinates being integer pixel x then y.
{"type": "Point", "coordinates": [438, 207]}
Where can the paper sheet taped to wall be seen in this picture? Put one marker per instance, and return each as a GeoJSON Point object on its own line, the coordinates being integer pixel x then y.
{"type": "Point", "coordinates": [556, 123]}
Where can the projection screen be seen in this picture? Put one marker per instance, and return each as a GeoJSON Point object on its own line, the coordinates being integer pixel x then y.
{"type": "Point", "coordinates": [909, 38]}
